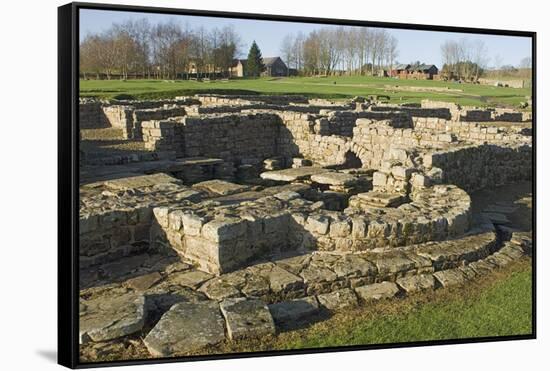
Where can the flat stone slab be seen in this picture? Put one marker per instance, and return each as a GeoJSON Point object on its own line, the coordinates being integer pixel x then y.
{"type": "Point", "coordinates": [107, 318]}
{"type": "Point", "coordinates": [419, 282]}
{"type": "Point", "coordinates": [143, 282]}
{"type": "Point", "coordinates": [381, 199]}
{"type": "Point", "coordinates": [501, 209]}
{"type": "Point", "coordinates": [377, 291]}
{"type": "Point", "coordinates": [183, 163]}
{"type": "Point", "coordinates": [287, 312]}
{"type": "Point", "coordinates": [193, 278]}
{"type": "Point", "coordinates": [293, 174]}
{"type": "Point", "coordinates": [221, 187]}
{"type": "Point", "coordinates": [334, 179]}
{"type": "Point", "coordinates": [338, 299]}
{"type": "Point", "coordinates": [497, 218]}
{"type": "Point", "coordinates": [450, 277]}
{"type": "Point", "coordinates": [247, 318]}
{"type": "Point", "coordinates": [185, 328]}
{"type": "Point", "coordinates": [141, 181]}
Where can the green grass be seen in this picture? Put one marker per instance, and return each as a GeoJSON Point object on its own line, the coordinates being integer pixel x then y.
{"type": "Point", "coordinates": [313, 87]}
{"type": "Point", "coordinates": [503, 310]}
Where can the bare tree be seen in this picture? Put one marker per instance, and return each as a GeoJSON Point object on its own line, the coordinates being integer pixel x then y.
{"type": "Point", "coordinates": [287, 50]}
{"type": "Point", "coordinates": [526, 63]}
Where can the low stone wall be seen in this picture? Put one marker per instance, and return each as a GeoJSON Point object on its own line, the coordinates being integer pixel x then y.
{"type": "Point", "coordinates": [473, 114]}
{"type": "Point", "coordinates": [113, 234]}
{"type": "Point", "coordinates": [443, 112]}
{"type": "Point", "coordinates": [130, 119]}
{"type": "Point", "coordinates": [343, 122]}
{"type": "Point", "coordinates": [469, 131]}
{"type": "Point", "coordinates": [228, 238]}
{"type": "Point", "coordinates": [477, 167]}
{"type": "Point", "coordinates": [235, 99]}
{"type": "Point", "coordinates": [226, 136]}
{"type": "Point", "coordinates": [91, 115]}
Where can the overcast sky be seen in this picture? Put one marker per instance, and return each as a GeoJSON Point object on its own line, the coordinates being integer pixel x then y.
{"type": "Point", "coordinates": [413, 45]}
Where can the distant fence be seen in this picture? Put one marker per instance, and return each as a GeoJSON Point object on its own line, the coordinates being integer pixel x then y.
{"type": "Point", "coordinates": [137, 76]}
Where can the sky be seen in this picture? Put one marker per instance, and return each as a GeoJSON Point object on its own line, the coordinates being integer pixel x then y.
{"type": "Point", "coordinates": [413, 45]}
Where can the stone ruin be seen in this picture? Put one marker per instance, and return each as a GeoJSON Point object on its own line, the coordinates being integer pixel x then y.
{"type": "Point", "coordinates": [246, 214]}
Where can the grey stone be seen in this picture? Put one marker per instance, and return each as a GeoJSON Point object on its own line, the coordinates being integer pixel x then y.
{"type": "Point", "coordinates": [288, 312]}
{"type": "Point", "coordinates": [225, 229]}
{"type": "Point", "coordinates": [106, 318]}
{"type": "Point", "coordinates": [141, 283]}
{"type": "Point", "coordinates": [220, 187]}
{"type": "Point", "coordinates": [338, 299]}
{"type": "Point", "coordinates": [191, 278]}
{"type": "Point", "coordinates": [291, 175]}
{"type": "Point", "coordinates": [414, 283]}
{"type": "Point", "coordinates": [186, 327]}
{"type": "Point", "coordinates": [377, 291]}
{"type": "Point", "coordinates": [450, 277]}
{"type": "Point", "coordinates": [219, 289]}
{"type": "Point", "coordinates": [334, 178]}
{"type": "Point", "coordinates": [247, 318]}
{"type": "Point", "coordinates": [497, 218]}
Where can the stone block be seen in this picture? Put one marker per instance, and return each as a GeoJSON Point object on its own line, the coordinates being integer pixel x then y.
{"type": "Point", "coordinates": [107, 318]}
{"type": "Point", "coordinates": [185, 328]}
{"type": "Point", "coordinates": [318, 224]}
{"type": "Point", "coordinates": [226, 229]}
{"type": "Point", "coordinates": [341, 228]}
{"type": "Point", "coordinates": [379, 179]}
{"type": "Point", "coordinates": [377, 291]}
{"type": "Point", "coordinates": [339, 299]}
{"type": "Point", "coordinates": [247, 318]}
{"type": "Point", "coordinates": [289, 312]}
{"type": "Point", "coordinates": [192, 224]}
{"type": "Point", "coordinates": [420, 282]}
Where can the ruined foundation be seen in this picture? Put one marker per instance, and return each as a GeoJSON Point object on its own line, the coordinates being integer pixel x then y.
{"type": "Point", "coordinates": [252, 212]}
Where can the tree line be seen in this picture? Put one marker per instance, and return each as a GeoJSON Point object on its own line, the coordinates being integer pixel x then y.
{"type": "Point", "coordinates": [168, 51]}
{"type": "Point", "coordinates": [163, 51]}
{"type": "Point", "coordinates": [464, 59]}
{"type": "Point", "coordinates": [341, 50]}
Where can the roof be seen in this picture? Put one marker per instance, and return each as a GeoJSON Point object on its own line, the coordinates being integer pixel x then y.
{"type": "Point", "coordinates": [236, 62]}
{"type": "Point", "coordinates": [268, 61]}
{"type": "Point", "coordinates": [420, 67]}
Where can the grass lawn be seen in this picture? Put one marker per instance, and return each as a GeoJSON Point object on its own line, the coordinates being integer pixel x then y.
{"type": "Point", "coordinates": [400, 91]}
{"type": "Point", "coordinates": [499, 305]}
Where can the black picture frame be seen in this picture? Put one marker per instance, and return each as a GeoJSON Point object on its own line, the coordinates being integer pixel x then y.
{"type": "Point", "coordinates": [68, 178]}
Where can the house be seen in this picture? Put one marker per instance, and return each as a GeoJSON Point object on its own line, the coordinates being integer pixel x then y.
{"type": "Point", "coordinates": [274, 66]}
{"type": "Point", "coordinates": [415, 72]}
{"type": "Point", "coordinates": [237, 68]}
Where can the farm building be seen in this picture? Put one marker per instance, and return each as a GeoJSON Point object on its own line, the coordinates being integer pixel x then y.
{"type": "Point", "coordinates": [415, 72]}
{"type": "Point", "coordinates": [274, 66]}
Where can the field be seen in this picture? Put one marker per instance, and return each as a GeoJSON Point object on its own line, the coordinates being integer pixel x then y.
{"type": "Point", "coordinates": [399, 91]}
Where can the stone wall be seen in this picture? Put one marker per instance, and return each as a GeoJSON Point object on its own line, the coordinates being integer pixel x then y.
{"type": "Point", "coordinates": [343, 122]}
{"type": "Point", "coordinates": [227, 136]}
{"type": "Point", "coordinates": [473, 114]}
{"type": "Point", "coordinates": [91, 115]}
{"type": "Point", "coordinates": [129, 119]}
{"type": "Point", "coordinates": [477, 167]}
{"type": "Point", "coordinates": [236, 99]}
{"type": "Point", "coordinates": [112, 234]}
{"type": "Point", "coordinates": [226, 238]}
{"type": "Point", "coordinates": [469, 131]}
{"type": "Point", "coordinates": [442, 112]}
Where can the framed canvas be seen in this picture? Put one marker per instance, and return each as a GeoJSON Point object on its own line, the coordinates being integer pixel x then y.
{"type": "Point", "coordinates": [239, 185]}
